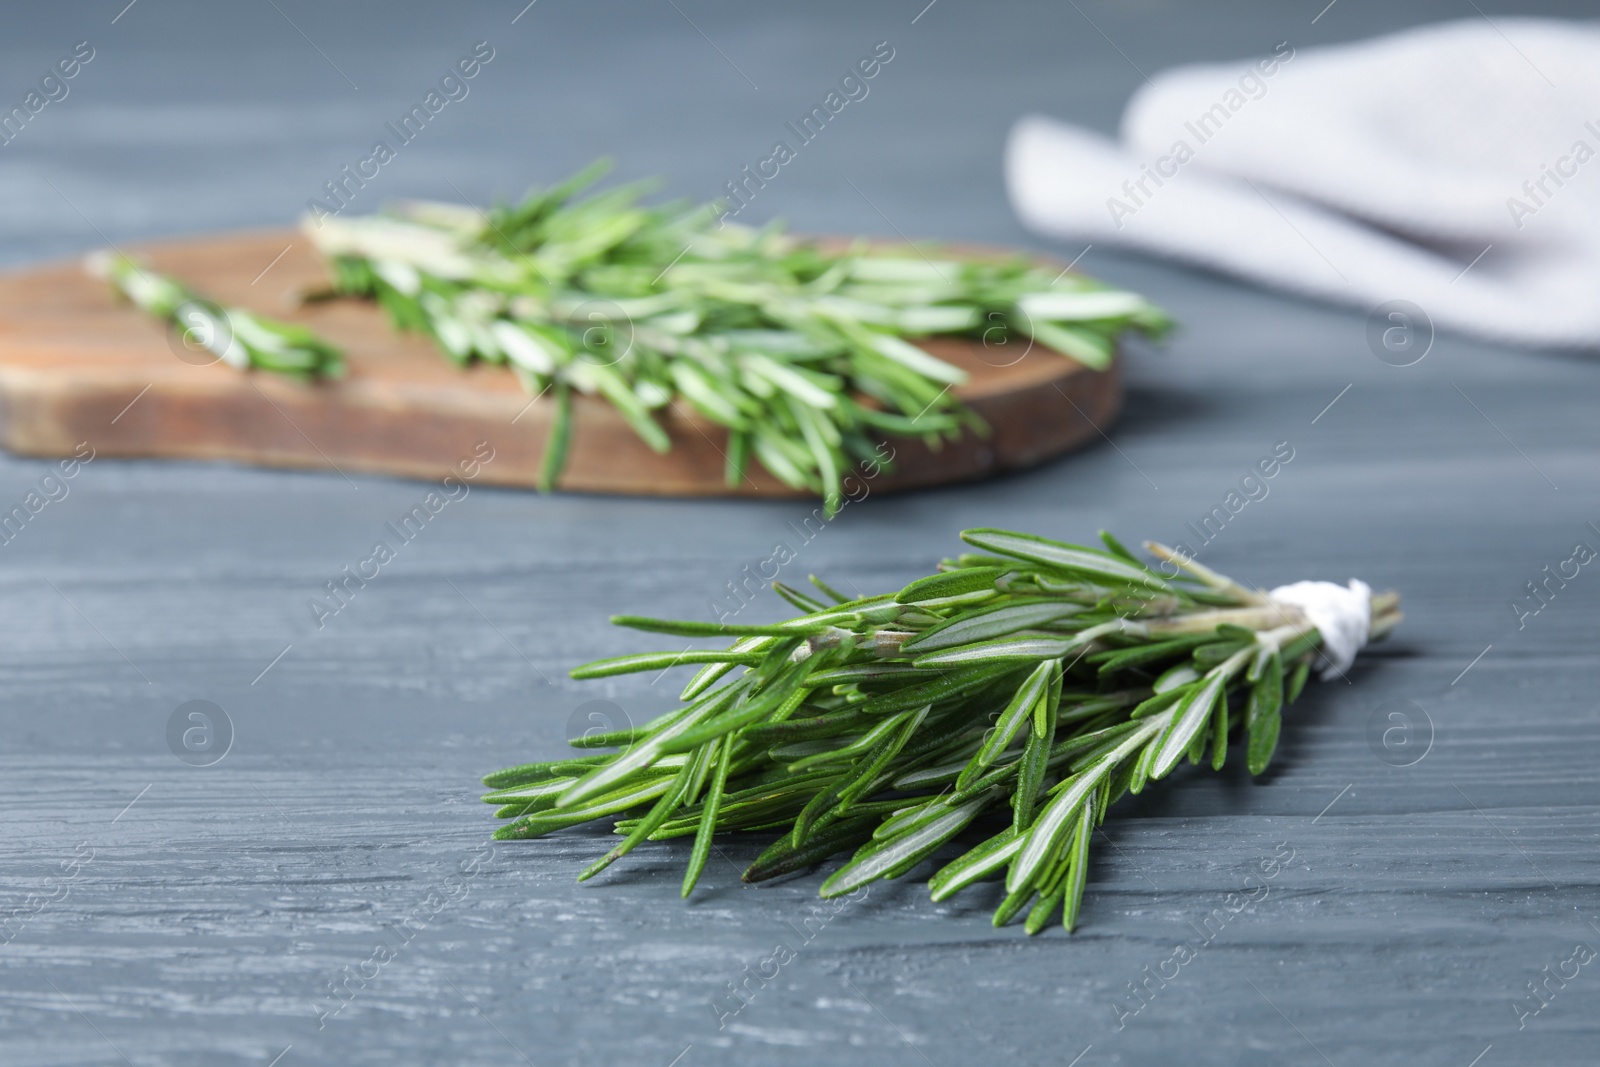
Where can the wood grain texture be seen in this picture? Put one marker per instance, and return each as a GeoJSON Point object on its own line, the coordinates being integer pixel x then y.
{"type": "Point", "coordinates": [220, 906]}
{"type": "Point", "coordinates": [72, 358]}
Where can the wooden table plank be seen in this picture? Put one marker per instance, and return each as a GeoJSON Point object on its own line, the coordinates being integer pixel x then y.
{"type": "Point", "coordinates": [218, 908]}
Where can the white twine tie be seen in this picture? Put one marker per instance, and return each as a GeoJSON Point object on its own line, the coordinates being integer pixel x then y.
{"type": "Point", "coordinates": [1342, 615]}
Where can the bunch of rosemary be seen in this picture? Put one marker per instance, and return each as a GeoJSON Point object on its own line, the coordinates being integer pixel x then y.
{"type": "Point", "coordinates": [1024, 687]}
{"type": "Point", "coordinates": [240, 338]}
{"type": "Point", "coordinates": [800, 352]}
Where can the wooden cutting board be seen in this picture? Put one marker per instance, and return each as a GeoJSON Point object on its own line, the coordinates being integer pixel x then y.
{"type": "Point", "coordinates": [77, 365]}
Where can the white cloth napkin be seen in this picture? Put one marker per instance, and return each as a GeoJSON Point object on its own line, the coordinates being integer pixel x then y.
{"type": "Point", "coordinates": [1455, 166]}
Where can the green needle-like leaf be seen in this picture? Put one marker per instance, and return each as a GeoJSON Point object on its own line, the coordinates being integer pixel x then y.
{"type": "Point", "coordinates": [982, 625]}
{"type": "Point", "coordinates": [708, 820]}
{"type": "Point", "coordinates": [559, 441]}
{"type": "Point", "coordinates": [1078, 867]}
{"type": "Point", "coordinates": [1070, 559]}
{"type": "Point", "coordinates": [1045, 839]}
{"type": "Point", "coordinates": [1187, 720]}
{"type": "Point", "coordinates": [1262, 719]}
{"type": "Point", "coordinates": [900, 850]}
{"type": "Point", "coordinates": [660, 661]}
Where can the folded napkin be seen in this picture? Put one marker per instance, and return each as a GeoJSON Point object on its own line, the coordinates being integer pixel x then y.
{"type": "Point", "coordinates": [1455, 166]}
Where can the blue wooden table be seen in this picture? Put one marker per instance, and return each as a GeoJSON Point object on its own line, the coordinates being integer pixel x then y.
{"type": "Point", "coordinates": [325, 892]}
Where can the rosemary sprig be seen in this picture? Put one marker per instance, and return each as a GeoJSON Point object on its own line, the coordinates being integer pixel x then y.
{"type": "Point", "coordinates": [239, 338]}
{"type": "Point", "coordinates": [802, 353]}
{"type": "Point", "coordinates": [1023, 688]}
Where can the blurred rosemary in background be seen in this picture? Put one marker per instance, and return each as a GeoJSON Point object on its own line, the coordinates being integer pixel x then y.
{"type": "Point", "coordinates": [239, 338]}
{"type": "Point", "coordinates": [801, 352]}
{"type": "Point", "coordinates": [804, 353]}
